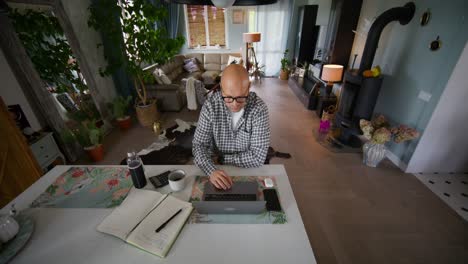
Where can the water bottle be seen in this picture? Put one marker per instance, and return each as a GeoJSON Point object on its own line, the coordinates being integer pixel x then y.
{"type": "Point", "coordinates": [135, 166]}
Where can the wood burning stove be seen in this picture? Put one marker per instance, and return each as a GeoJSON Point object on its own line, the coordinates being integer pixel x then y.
{"type": "Point", "coordinates": [359, 94]}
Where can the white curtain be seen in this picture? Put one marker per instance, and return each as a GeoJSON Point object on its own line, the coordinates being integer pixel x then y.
{"type": "Point", "coordinates": [273, 21]}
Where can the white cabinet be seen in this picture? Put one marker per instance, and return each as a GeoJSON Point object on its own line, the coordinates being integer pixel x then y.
{"type": "Point", "coordinates": [46, 150]}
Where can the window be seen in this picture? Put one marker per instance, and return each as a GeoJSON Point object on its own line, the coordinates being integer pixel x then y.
{"type": "Point", "coordinates": [206, 26]}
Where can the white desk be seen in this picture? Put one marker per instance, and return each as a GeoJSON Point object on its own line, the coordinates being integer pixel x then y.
{"type": "Point", "coordinates": [70, 236]}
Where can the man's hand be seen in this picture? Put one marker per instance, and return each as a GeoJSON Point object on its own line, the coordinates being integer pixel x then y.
{"type": "Point", "coordinates": [220, 179]}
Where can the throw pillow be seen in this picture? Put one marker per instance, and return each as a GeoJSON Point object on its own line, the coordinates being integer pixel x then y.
{"type": "Point", "coordinates": [234, 60]}
{"type": "Point", "coordinates": [164, 78]}
{"type": "Point", "coordinates": [156, 76]}
{"type": "Point", "coordinates": [191, 65]}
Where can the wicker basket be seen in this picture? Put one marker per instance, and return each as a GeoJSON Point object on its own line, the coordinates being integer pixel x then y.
{"type": "Point", "coordinates": [147, 114]}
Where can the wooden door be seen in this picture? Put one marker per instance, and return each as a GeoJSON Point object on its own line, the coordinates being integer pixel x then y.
{"type": "Point", "coordinates": [18, 167]}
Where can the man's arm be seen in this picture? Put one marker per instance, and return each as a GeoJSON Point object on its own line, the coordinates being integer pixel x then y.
{"type": "Point", "coordinates": [259, 142]}
{"type": "Point", "coordinates": [202, 142]}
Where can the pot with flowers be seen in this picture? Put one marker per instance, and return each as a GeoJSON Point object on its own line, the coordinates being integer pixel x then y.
{"type": "Point", "coordinates": [89, 136]}
{"type": "Point", "coordinates": [120, 106]}
{"type": "Point", "coordinates": [378, 132]}
{"type": "Point", "coordinates": [284, 73]}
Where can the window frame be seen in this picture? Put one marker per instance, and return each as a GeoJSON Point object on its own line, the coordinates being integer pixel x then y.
{"type": "Point", "coordinates": [208, 46]}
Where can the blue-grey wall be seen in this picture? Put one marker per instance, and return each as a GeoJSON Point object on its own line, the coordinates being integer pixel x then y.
{"type": "Point", "coordinates": [235, 32]}
{"type": "Point", "coordinates": [408, 65]}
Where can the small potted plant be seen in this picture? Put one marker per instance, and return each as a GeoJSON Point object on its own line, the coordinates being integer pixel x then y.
{"type": "Point", "coordinates": [89, 136]}
{"type": "Point", "coordinates": [119, 107]}
{"type": "Point", "coordinates": [284, 73]}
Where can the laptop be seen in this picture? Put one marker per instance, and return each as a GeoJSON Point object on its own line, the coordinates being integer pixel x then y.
{"type": "Point", "coordinates": [240, 199]}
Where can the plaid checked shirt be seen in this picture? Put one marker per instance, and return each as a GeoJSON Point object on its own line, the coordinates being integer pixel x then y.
{"type": "Point", "coordinates": [246, 146]}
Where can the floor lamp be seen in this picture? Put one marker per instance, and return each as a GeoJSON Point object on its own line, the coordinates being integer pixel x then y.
{"type": "Point", "coordinates": [249, 39]}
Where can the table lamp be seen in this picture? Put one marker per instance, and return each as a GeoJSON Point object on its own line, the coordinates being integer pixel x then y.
{"type": "Point", "coordinates": [331, 73]}
{"type": "Point", "coordinates": [250, 38]}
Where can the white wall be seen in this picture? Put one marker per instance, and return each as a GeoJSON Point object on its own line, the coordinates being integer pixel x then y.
{"type": "Point", "coordinates": [444, 145]}
{"type": "Point", "coordinates": [88, 38]}
{"type": "Point", "coordinates": [12, 93]}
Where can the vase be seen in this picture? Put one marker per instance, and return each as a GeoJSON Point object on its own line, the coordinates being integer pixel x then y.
{"type": "Point", "coordinates": [124, 123]}
{"type": "Point", "coordinates": [284, 75]}
{"type": "Point", "coordinates": [147, 114]}
{"type": "Point", "coordinates": [373, 154]}
{"type": "Point", "coordinates": [96, 153]}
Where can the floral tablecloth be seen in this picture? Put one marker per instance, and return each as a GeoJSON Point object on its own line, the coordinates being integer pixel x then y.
{"type": "Point", "coordinates": [87, 187]}
{"type": "Point", "coordinates": [265, 217]}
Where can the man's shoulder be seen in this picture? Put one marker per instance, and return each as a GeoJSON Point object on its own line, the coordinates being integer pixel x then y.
{"type": "Point", "coordinates": [212, 102]}
{"type": "Point", "coordinates": [257, 105]}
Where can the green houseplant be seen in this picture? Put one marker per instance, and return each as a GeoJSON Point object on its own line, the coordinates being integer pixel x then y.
{"type": "Point", "coordinates": [89, 136]}
{"type": "Point", "coordinates": [143, 43]}
{"type": "Point", "coordinates": [120, 106]}
{"type": "Point", "coordinates": [51, 54]}
{"type": "Point", "coordinates": [284, 73]}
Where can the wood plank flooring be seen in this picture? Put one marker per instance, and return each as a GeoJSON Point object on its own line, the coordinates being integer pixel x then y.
{"type": "Point", "coordinates": [352, 213]}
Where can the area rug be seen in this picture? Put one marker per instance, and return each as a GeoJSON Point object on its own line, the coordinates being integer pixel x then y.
{"type": "Point", "coordinates": [333, 145]}
{"type": "Point", "coordinates": [266, 217]}
{"type": "Point", "coordinates": [87, 187]}
{"type": "Point", "coordinates": [174, 147]}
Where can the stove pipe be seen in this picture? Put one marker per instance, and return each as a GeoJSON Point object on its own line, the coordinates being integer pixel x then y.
{"type": "Point", "coordinates": [403, 14]}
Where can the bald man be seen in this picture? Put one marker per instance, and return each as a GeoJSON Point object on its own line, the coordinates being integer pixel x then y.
{"type": "Point", "coordinates": [234, 125]}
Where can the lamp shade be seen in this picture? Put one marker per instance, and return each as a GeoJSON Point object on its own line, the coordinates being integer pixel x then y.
{"type": "Point", "coordinates": [252, 37]}
{"type": "Point", "coordinates": [223, 3]}
{"type": "Point", "coordinates": [332, 72]}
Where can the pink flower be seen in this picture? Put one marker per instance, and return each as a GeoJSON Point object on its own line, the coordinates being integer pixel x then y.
{"type": "Point", "coordinates": [112, 182]}
{"type": "Point", "coordinates": [77, 173]}
{"type": "Point", "coordinates": [404, 133]}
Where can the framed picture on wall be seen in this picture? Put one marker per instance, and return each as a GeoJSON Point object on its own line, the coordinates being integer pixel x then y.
{"type": "Point", "coordinates": [238, 16]}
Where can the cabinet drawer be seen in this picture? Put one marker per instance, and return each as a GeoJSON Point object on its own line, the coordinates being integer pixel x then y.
{"type": "Point", "coordinates": [39, 147]}
{"type": "Point", "coordinates": [45, 149]}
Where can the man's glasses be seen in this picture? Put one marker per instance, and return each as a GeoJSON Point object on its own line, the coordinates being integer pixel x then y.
{"type": "Point", "coordinates": [239, 99]}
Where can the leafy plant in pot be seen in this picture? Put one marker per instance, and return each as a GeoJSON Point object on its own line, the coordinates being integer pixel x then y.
{"type": "Point", "coordinates": [53, 59]}
{"type": "Point", "coordinates": [144, 44]}
{"type": "Point", "coordinates": [284, 73]}
{"type": "Point", "coordinates": [89, 136]}
{"type": "Point", "coordinates": [119, 109]}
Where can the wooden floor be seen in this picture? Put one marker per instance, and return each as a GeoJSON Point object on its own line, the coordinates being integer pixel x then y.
{"type": "Point", "coordinates": [352, 213]}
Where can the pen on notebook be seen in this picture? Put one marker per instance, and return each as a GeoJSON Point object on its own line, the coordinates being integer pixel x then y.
{"type": "Point", "coordinates": [168, 220]}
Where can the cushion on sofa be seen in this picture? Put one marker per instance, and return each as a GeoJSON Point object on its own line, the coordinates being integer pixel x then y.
{"type": "Point", "coordinates": [191, 65]}
{"type": "Point", "coordinates": [234, 60]}
{"type": "Point", "coordinates": [163, 77]}
{"type": "Point", "coordinates": [209, 77]}
{"type": "Point", "coordinates": [175, 73]}
{"type": "Point", "coordinates": [174, 63]}
{"type": "Point", "coordinates": [199, 57]}
{"type": "Point", "coordinates": [225, 59]}
{"type": "Point", "coordinates": [156, 76]}
{"type": "Point", "coordinates": [212, 62]}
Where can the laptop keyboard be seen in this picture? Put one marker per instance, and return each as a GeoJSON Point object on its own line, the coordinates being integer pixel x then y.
{"type": "Point", "coordinates": [230, 197]}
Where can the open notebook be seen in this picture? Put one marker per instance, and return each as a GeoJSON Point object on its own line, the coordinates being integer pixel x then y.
{"type": "Point", "coordinates": [140, 214]}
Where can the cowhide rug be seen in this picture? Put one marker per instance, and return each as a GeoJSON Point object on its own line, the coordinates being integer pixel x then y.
{"type": "Point", "coordinates": [174, 147]}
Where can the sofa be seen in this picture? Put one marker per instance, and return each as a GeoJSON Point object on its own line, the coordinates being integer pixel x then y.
{"type": "Point", "coordinates": [171, 93]}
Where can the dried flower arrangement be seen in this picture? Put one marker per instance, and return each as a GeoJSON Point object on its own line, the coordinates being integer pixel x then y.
{"type": "Point", "coordinates": [378, 131]}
